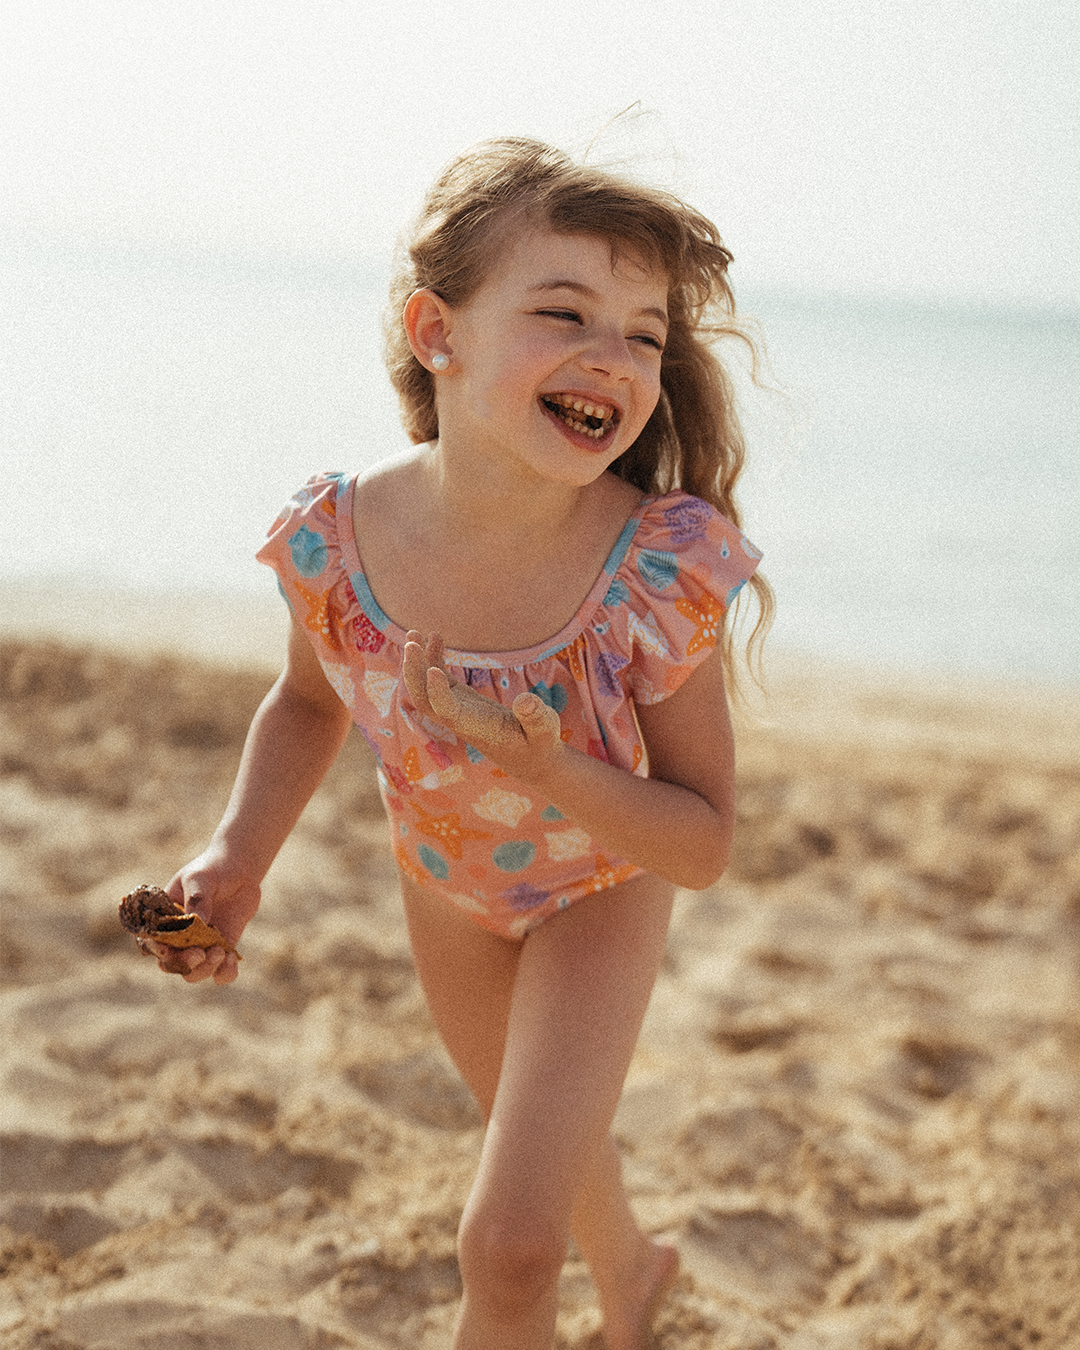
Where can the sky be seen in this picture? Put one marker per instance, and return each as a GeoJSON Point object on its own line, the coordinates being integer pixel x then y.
{"type": "Point", "coordinates": [914, 148]}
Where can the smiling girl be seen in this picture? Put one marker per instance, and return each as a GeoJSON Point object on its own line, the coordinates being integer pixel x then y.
{"type": "Point", "coordinates": [525, 616]}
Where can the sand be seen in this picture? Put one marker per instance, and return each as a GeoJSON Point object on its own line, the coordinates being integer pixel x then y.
{"type": "Point", "coordinates": [855, 1106]}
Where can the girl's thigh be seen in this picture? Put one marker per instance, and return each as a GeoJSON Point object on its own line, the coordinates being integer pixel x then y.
{"type": "Point", "coordinates": [467, 975]}
{"type": "Point", "coordinates": [579, 995]}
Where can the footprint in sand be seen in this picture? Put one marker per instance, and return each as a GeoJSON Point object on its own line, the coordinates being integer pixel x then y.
{"type": "Point", "coordinates": [758, 1258]}
{"type": "Point", "coordinates": [741, 1145]}
{"type": "Point", "coordinates": [53, 1189]}
{"type": "Point", "coordinates": [397, 1299]}
{"type": "Point", "coordinates": [922, 1068]}
{"type": "Point", "coordinates": [73, 1194]}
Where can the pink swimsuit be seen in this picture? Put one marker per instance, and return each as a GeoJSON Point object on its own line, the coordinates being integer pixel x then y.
{"type": "Point", "coordinates": [460, 826]}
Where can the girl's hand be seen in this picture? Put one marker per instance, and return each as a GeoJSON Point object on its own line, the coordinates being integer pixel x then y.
{"type": "Point", "coordinates": [220, 895]}
{"type": "Point", "coordinates": [519, 741]}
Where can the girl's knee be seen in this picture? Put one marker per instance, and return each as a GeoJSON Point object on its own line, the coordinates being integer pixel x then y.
{"type": "Point", "coordinates": [509, 1265]}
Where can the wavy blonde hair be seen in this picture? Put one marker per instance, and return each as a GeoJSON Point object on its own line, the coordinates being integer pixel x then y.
{"type": "Point", "coordinates": [693, 440]}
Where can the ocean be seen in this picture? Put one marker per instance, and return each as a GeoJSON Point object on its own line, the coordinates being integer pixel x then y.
{"type": "Point", "coordinates": [913, 471]}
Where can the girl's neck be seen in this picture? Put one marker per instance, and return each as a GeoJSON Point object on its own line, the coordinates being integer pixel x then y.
{"type": "Point", "coordinates": [490, 563]}
{"type": "Point", "coordinates": [477, 499]}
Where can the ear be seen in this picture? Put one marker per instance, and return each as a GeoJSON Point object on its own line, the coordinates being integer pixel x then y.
{"type": "Point", "coordinates": [427, 326]}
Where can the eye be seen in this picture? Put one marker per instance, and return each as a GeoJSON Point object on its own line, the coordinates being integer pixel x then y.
{"type": "Point", "coordinates": [649, 340]}
{"type": "Point", "coordinates": [569, 314]}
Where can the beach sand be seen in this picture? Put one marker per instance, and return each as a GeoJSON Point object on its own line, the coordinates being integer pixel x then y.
{"type": "Point", "coordinates": [855, 1106]}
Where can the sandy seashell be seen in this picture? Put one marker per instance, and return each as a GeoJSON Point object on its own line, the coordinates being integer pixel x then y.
{"type": "Point", "coordinates": [152, 916]}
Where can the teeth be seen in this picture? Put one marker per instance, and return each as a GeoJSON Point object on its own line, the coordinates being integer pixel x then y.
{"type": "Point", "coordinates": [566, 406]}
{"type": "Point", "coordinates": [594, 432]}
{"type": "Point", "coordinates": [579, 405]}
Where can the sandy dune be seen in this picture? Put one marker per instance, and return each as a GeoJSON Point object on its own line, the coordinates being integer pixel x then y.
{"type": "Point", "coordinates": [855, 1106]}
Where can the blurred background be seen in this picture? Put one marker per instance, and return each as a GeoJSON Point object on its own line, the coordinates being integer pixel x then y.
{"type": "Point", "coordinates": [200, 200]}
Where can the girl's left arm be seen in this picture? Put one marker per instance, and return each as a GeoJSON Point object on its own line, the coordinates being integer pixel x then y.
{"type": "Point", "coordinates": [677, 823]}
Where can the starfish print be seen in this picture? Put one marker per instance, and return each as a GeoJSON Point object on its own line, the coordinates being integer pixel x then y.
{"type": "Point", "coordinates": [707, 619]}
{"type": "Point", "coordinates": [447, 829]}
{"type": "Point", "coordinates": [322, 615]}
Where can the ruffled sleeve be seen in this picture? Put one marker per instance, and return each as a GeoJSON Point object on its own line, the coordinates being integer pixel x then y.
{"type": "Point", "coordinates": [302, 548]}
{"type": "Point", "coordinates": [683, 571]}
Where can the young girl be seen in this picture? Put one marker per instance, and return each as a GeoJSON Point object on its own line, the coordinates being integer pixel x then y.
{"type": "Point", "coordinates": [525, 617]}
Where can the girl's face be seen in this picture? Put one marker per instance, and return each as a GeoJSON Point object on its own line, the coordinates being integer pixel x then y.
{"type": "Point", "coordinates": [556, 358]}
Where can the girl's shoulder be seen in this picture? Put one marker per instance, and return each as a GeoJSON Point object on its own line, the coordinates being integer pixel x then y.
{"type": "Point", "coordinates": [323, 490]}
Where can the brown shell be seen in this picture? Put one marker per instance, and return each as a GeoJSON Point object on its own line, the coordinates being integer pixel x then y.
{"type": "Point", "coordinates": [150, 914]}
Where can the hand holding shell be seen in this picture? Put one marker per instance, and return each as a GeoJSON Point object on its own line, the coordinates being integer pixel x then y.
{"type": "Point", "coordinates": [152, 916]}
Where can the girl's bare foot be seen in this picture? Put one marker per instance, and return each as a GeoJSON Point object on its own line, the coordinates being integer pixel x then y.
{"type": "Point", "coordinates": [632, 1328]}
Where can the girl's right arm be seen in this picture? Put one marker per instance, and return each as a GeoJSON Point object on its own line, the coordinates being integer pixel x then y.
{"type": "Point", "coordinates": [294, 738]}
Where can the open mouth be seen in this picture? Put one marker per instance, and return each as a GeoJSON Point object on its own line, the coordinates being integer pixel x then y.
{"type": "Point", "coordinates": [590, 419]}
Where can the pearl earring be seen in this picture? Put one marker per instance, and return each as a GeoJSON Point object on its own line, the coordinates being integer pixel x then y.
{"type": "Point", "coordinates": [440, 361]}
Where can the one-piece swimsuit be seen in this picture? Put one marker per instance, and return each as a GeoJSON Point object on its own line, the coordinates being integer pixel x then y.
{"type": "Point", "coordinates": [460, 826]}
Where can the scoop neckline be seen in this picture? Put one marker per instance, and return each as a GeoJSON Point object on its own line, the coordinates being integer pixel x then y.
{"type": "Point", "coordinates": [467, 660]}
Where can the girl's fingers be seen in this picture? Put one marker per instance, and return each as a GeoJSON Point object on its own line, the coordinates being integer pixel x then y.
{"type": "Point", "coordinates": [213, 959]}
{"type": "Point", "coordinates": [424, 670]}
{"type": "Point", "coordinates": [440, 696]}
{"type": "Point", "coordinates": [228, 970]}
{"type": "Point", "coordinates": [478, 719]}
{"type": "Point", "coordinates": [194, 890]}
{"type": "Point", "coordinates": [436, 652]}
{"type": "Point", "coordinates": [195, 964]}
{"type": "Point", "coordinates": [177, 961]}
{"type": "Point", "coordinates": [414, 668]}
{"type": "Point", "coordinates": [538, 721]}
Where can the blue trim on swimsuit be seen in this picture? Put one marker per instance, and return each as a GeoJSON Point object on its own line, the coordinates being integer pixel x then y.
{"type": "Point", "coordinates": [618, 553]}
{"type": "Point", "coordinates": [611, 566]}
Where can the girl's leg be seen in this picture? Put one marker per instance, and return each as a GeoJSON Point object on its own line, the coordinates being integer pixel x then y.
{"type": "Point", "coordinates": [564, 1010]}
{"type": "Point", "coordinates": [632, 1273]}
{"type": "Point", "coordinates": [467, 975]}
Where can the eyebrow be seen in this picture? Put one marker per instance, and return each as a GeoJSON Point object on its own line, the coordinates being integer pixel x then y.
{"type": "Point", "coordinates": [560, 284]}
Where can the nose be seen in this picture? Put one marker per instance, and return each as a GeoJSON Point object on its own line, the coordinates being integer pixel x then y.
{"type": "Point", "coordinates": [609, 353]}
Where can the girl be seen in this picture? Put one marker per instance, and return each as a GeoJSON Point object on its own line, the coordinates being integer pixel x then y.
{"type": "Point", "coordinates": [525, 617]}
